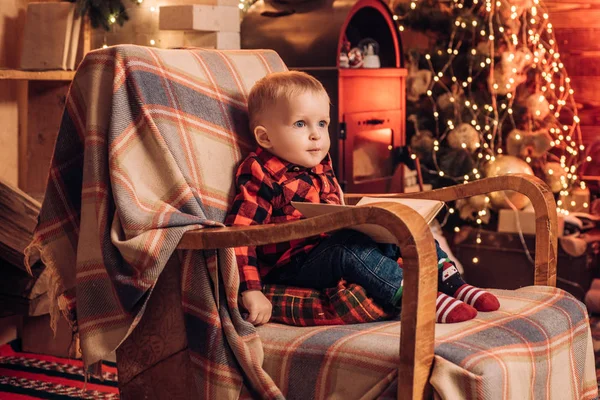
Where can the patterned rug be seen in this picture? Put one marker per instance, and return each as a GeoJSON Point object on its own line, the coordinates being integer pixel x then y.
{"type": "Point", "coordinates": [36, 376]}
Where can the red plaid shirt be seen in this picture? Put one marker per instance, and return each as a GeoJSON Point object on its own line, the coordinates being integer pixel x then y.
{"type": "Point", "coordinates": [266, 185]}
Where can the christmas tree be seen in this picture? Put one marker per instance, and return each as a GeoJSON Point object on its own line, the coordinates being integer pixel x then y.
{"type": "Point", "coordinates": [490, 96]}
{"type": "Point", "coordinates": [104, 13]}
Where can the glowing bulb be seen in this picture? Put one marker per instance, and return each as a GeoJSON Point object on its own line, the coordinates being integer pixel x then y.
{"type": "Point", "coordinates": [475, 260]}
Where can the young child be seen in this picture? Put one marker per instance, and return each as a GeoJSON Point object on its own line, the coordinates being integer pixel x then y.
{"type": "Point", "coordinates": [289, 117]}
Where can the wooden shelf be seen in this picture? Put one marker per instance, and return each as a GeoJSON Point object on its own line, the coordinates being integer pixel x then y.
{"type": "Point", "coordinates": [51, 75]}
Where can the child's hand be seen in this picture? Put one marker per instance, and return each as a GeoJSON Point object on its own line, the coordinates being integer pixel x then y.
{"type": "Point", "coordinates": [258, 306]}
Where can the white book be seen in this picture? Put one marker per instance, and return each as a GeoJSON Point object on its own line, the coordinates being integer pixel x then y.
{"type": "Point", "coordinates": [427, 208]}
{"type": "Point", "coordinates": [74, 45]}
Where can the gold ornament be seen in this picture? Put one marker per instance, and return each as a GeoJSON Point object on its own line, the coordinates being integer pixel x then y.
{"type": "Point", "coordinates": [528, 144]}
{"type": "Point", "coordinates": [554, 176]}
{"type": "Point", "coordinates": [504, 165]}
{"type": "Point", "coordinates": [464, 136]}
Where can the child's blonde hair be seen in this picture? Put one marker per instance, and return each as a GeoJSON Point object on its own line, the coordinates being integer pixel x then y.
{"type": "Point", "coordinates": [277, 86]}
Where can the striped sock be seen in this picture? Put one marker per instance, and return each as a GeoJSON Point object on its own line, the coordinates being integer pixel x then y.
{"type": "Point", "coordinates": [449, 310]}
{"type": "Point", "coordinates": [478, 298]}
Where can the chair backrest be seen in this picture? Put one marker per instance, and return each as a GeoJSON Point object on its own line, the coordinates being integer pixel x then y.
{"type": "Point", "coordinates": [203, 92]}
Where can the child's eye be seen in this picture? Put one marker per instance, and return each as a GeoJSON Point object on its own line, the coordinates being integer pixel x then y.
{"type": "Point", "coordinates": [323, 124]}
{"type": "Point", "coordinates": [299, 124]}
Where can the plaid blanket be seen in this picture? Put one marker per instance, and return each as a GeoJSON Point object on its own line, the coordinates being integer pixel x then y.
{"type": "Point", "coordinates": [537, 346]}
{"type": "Point", "coordinates": [147, 150]}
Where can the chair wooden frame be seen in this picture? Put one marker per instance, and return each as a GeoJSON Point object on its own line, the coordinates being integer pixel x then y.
{"type": "Point", "coordinates": [420, 264]}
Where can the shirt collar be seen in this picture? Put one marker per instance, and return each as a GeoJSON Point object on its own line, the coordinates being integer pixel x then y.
{"type": "Point", "coordinates": [278, 167]}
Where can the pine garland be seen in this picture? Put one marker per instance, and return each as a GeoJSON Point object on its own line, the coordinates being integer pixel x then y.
{"type": "Point", "coordinates": [103, 13]}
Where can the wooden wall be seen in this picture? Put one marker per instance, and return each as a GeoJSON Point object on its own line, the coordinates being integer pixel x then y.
{"type": "Point", "coordinates": [577, 30]}
{"type": "Point", "coordinates": [12, 15]}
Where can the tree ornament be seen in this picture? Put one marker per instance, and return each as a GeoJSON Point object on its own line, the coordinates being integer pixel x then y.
{"type": "Point", "coordinates": [510, 12]}
{"type": "Point", "coordinates": [355, 58]}
{"type": "Point", "coordinates": [510, 72]}
{"type": "Point", "coordinates": [528, 144]}
{"type": "Point", "coordinates": [464, 136]}
{"type": "Point", "coordinates": [448, 99]}
{"type": "Point", "coordinates": [554, 176]}
{"type": "Point", "coordinates": [537, 106]}
{"type": "Point", "coordinates": [417, 83]}
{"type": "Point", "coordinates": [421, 144]}
{"type": "Point", "coordinates": [504, 165]}
{"type": "Point", "coordinates": [470, 209]}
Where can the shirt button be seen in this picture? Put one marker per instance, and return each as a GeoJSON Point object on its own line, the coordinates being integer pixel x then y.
{"type": "Point", "coordinates": [296, 169]}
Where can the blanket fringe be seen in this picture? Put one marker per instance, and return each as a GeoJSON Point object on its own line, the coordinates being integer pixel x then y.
{"type": "Point", "coordinates": [58, 304]}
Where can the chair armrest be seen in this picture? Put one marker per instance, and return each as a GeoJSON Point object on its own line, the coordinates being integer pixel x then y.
{"type": "Point", "coordinates": [542, 200]}
{"type": "Point", "coordinates": [419, 263]}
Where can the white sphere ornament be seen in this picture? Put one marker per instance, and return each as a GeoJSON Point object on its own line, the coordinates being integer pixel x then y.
{"type": "Point", "coordinates": [505, 165]}
{"type": "Point", "coordinates": [538, 106]}
{"type": "Point", "coordinates": [464, 136]}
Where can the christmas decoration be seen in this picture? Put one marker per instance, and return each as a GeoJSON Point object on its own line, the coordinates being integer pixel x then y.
{"type": "Point", "coordinates": [499, 98]}
{"type": "Point", "coordinates": [504, 165]}
{"type": "Point", "coordinates": [370, 50]}
{"type": "Point", "coordinates": [105, 13]}
{"type": "Point", "coordinates": [464, 136]}
{"type": "Point", "coordinates": [528, 144]}
{"type": "Point", "coordinates": [554, 176]}
{"type": "Point", "coordinates": [355, 58]}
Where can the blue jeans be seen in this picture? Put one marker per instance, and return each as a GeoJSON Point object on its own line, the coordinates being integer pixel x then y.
{"type": "Point", "coordinates": [350, 255]}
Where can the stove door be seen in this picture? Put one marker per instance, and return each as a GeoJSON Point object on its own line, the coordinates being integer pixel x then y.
{"type": "Point", "coordinates": [367, 151]}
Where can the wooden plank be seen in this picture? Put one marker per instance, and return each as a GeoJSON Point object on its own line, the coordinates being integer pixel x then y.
{"type": "Point", "coordinates": [574, 40]}
{"type": "Point", "coordinates": [51, 75]}
{"type": "Point", "coordinates": [46, 104]}
{"type": "Point", "coordinates": [22, 105]}
{"type": "Point", "coordinates": [590, 134]}
{"type": "Point", "coordinates": [18, 219]}
{"type": "Point", "coordinates": [582, 16]}
{"type": "Point", "coordinates": [582, 64]}
{"type": "Point", "coordinates": [589, 114]}
{"type": "Point", "coordinates": [587, 89]}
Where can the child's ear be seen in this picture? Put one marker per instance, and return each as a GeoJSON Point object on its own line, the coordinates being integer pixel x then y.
{"type": "Point", "coordinates": [260, 133]}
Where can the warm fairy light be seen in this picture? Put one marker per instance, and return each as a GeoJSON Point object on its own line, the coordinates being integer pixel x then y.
{"type": "Point", "coordinates": [530, 49]}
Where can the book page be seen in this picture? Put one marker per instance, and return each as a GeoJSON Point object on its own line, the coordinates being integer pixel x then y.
{"type": "Point", "coordinates": [427, 208]}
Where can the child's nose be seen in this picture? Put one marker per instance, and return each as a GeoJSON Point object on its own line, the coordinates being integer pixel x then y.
{"type": "Point", "coordinates": [315, 135]}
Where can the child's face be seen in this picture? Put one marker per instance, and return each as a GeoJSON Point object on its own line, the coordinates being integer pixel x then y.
{"type": "Point", "coordinates": [295, 129]}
